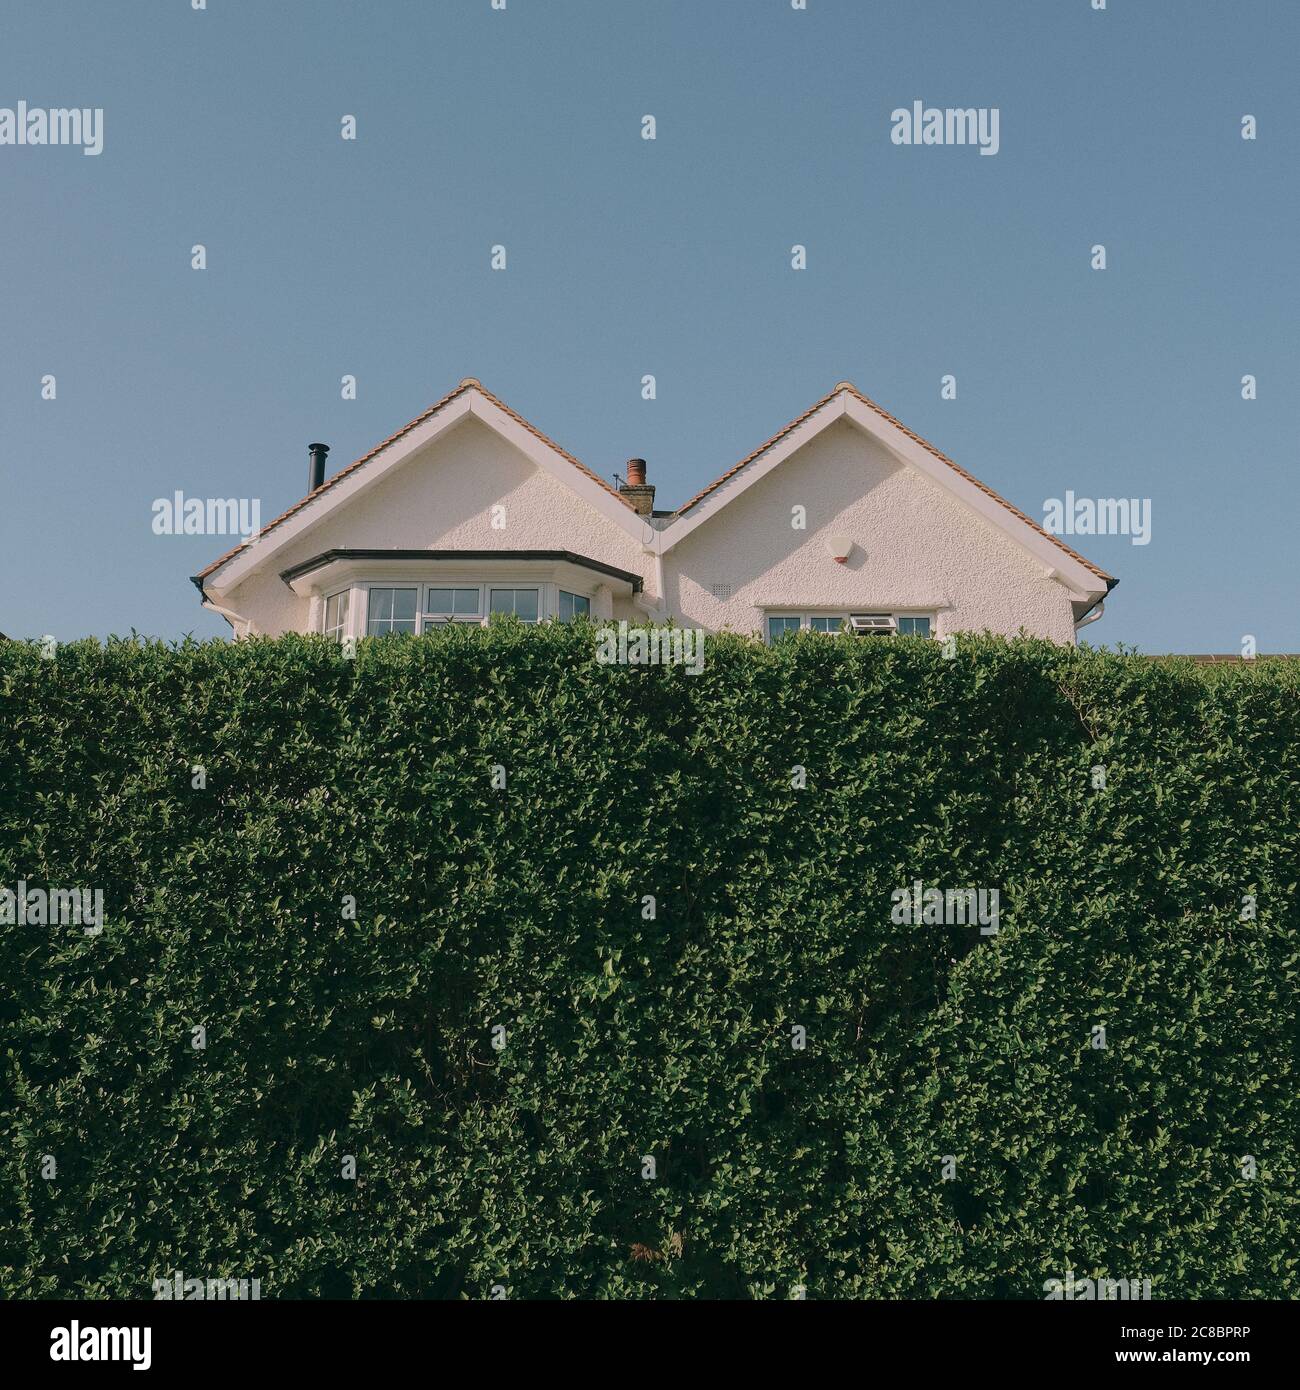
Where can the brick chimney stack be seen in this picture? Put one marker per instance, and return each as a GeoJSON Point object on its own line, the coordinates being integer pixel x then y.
{"type": "Point", "coordinates": [637, 491]}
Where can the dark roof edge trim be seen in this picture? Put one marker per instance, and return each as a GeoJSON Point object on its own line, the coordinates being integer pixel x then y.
{"type": "Point", "coordinates": [329, 556]}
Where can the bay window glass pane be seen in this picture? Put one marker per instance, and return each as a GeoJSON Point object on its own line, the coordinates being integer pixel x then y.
{"type": "Point", "coordinates": [779, 627]}
{"type": "Point", "coordinates": [336, 615]}
{"type": "Point", "coordinates": [521, 602]}
{"type": "Point", "coordinates": [391, 610]}
{"type": "Point", "coordinates": [913, 627]}
{"type": "Point", "coordinates": [452, 603]}
{"type": "Point", "coordinates": [827, 624]}
{"type": "Point", "coordinates": [573, 606]}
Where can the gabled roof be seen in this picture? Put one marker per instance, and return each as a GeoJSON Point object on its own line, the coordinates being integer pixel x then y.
{"type": "Point", "coordinates": [847, 389]}
{"type": "Point", "coordinates": [469, 384]}
{"type": "Point", "coordinates": [844, 400]}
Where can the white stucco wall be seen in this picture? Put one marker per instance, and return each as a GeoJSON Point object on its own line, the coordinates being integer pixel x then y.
{"type": "Point", "coordinates": [441, 499]}
{"type": "Point", "coordinates": [916, 547]}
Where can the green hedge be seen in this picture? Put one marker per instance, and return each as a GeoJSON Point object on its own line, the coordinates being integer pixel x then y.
{"type": "Point", "coordinates": [626, 1038]}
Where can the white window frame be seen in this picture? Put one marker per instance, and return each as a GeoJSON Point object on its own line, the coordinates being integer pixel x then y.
{"type": "Point", "coordinates": [560, 594]}
{"type": "Point", "coordinates": [428, 618]}
{"type": "Point", "coordinates": [547, 586]}
{"type": "Point", "coordinates": [343, 629]}
{"type": "Point", "coordinates": [805, 617]}
{"type": "Point", "coordinates": [515, 587]}
{"type": "Point", "coordinates": [394, 585]}
{"type": "Point", "coordinates": [800, 618]}
{"type": "Point", "coordinates": [840, 618]}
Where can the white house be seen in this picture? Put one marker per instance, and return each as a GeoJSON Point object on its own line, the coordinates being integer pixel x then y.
{"type": "Point", "coordinates": [843, 520]}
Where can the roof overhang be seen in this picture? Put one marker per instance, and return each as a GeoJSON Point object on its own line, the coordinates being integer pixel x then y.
{"type": "Point", "coordinates": [334, 567]}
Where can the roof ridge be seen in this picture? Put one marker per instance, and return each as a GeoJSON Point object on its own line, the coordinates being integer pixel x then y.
{"type": "Point", "coordinates": [549, 442]}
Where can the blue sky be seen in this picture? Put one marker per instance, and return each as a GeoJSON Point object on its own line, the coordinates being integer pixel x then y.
{"type": "Point", "coordinates": [670, 257]}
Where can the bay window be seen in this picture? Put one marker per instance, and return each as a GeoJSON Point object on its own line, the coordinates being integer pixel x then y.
{"type": "Point", "coordinates": [378, 606]}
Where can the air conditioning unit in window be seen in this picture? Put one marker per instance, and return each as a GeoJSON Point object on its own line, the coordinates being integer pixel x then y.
{"type": "Point", "coordinates": [872, 625]}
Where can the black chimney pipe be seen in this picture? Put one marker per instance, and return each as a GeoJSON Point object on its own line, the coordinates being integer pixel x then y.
{"type": "Point", "coordinates": [316, 468]}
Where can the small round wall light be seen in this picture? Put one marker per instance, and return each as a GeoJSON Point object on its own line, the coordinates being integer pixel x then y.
{"type": "Point", "coordinates": [840, 547]}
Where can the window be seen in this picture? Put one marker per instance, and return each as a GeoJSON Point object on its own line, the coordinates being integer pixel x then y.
{"type": "Point", "coordinates": [521, 602]}
{"type": "Point", "coordinates": [573, 606]}
{"type": "Point", "coordinates": [872, 624]}
{"type": "Point", "coordinates": [859, 624]}
{"type": "Point", "coordinates": [336, 615]}
{"type": "Point", "coordinates": [888, 625]}
{"type": "Point", "coordinates": [391, 610]}
{"type": "Point", "coordinates": [452, 605]}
